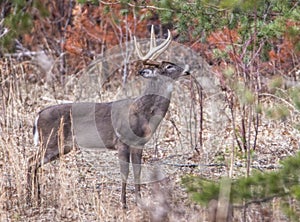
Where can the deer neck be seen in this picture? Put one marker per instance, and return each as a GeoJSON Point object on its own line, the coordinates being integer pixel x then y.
{"type": "Point", "coordinates": [145, 113]}
{"type": "Point", "coordinates": [161, 87]}
{"type": "Point", "coordinates": [156, 98]}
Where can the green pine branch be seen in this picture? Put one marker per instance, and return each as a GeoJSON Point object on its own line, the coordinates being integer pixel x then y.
{"type": "Point", "coordinates": [257, 188]}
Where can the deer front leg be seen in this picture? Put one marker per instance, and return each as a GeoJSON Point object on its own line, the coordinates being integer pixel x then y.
{"type": "Point", "coordinates": [123, 154]}
{"type": "Point", "coordinates": [136, 159]}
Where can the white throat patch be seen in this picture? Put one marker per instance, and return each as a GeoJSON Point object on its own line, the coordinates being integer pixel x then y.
{"type": "Point", "coordinates": [169, 87]}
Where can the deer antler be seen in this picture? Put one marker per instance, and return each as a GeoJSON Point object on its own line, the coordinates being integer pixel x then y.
{"type": "Point", "coordinates": [154, 51]}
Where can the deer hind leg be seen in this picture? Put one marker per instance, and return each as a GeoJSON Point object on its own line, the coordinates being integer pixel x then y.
{"type": "Point", "coordinates": [42, 157]}
{"type": "Point", "coordinates": [123, 154]}
{"type": "Point", "coordinates": [33, 187]}
{"type": "Point", "coordinates": [33, 181]}
{"type": "Point", "coordinates": [136, 159]}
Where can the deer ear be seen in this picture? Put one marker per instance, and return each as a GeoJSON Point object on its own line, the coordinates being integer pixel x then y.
{"type": "Point", "coordinates": [148, 73]}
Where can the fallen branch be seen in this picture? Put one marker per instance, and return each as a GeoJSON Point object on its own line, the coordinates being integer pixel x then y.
{"type": "Point", "coordinates": [192, 165]}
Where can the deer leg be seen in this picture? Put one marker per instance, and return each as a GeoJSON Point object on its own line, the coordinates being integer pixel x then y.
{"type": "Point", "coordinates": [34, 163]}
{"type": "Point", "coordinates": [136, 159]}
{"type": "Point", "coordinates": [29, 181]}
{"type": "Point", "coordinates": [123, 154]}
{"type": "Point", "coordinates": [33, 191]}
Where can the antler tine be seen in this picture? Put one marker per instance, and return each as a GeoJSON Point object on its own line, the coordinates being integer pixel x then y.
{"type": "Point", "coordinates": [137, 49]}
{"type": "Point", "coordinates": [154, 51]}
{"type": "Point", "coordinates": [152, 38]}
{"type": "Point", "coordinates": [157, 51]}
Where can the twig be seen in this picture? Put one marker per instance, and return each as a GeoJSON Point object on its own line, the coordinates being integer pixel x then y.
{"type": "Point", "coordinates": [193, 165]}
{"type": "Point", "coordinates": [23, 54]}
{"type": "Point", "coordinates": [56, 100]}
{"type": "Point", "coordinates": [150, 7]}
{"type": "Point", "coordinates": [138, 6]}
{"type": "Point", "coordinates": [4, 32]}
{"type": "Point", "coordinates": [259, 201]}
{"type": "Point", "coordinates": [281, 99]}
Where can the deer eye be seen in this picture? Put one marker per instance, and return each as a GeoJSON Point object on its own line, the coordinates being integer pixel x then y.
{"type": "Point", "coordinates": [169, 67]}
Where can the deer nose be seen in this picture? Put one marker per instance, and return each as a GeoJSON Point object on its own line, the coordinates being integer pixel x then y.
{"type": "Point", "coordinates": [186, 73]}
{"type": "Point", "coordinates": [186, 70]}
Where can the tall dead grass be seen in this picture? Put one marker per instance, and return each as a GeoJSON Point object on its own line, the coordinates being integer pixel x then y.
{"type": "Point", "coordinates": [85, 186]}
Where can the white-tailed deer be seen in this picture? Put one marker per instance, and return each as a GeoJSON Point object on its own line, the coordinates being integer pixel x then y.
{"type": "Point", "coordinates": [124, 125]}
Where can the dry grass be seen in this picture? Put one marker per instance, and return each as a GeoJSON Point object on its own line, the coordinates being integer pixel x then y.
{"type": "Point", "coordinates": [85, 186]}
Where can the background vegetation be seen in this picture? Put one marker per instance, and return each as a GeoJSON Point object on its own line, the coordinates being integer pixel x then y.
{"type": "Point", "coordinates": [251, 50]}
